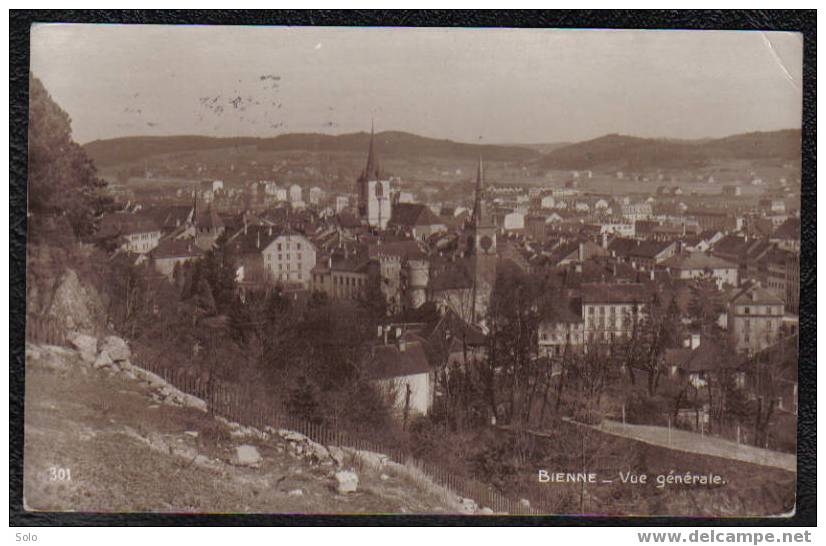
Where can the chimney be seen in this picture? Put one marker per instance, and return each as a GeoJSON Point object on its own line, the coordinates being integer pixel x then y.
{"type": "Point", "coordinates": [402, 344]}
{"type": "Point", "coordinates": [270, 231]}
{"type": "Point", "coordinates": [258, 239]}
{"type": "Point", "coordinates": [695, 341]}
{"type": "Point", "coordinates": [398, 332]}
{"type": "Point", "coordinates": [652, 273]}
{"type": "Point", "coordinates": [380, 331]}
{"type": "Point", "coordinates": [330, 262]}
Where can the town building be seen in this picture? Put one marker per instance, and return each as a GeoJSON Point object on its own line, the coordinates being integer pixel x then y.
{"type": "Point", "coordinates": [273, 255]}
{"type": "Point", "coordinates": [135, 233]}
{"type": "Point", "coordinates": [698, 265]}
{"type": "Point", "coordinates": [612, 311]}
{"type": "Point", "coordinates": [754, 318]}
{"type": "Point", "coordinates": [416, 220]}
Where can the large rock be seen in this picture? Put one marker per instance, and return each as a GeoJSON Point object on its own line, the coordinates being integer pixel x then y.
{"type": "Point", "coordinates": [469, 506]}
{"type": "Point", "coordinates": [347, 481]}
{"type": "Point", "coordinates": [336, 454]}
{"type": "Point", "coordinates": [117, 348]}
{"type": "Point", "coordinates": [86, 345]}
{"type": "Point", "coordinates": [247, 455]}
{"type": "Point", "coordinates": [103, 360]}
{"type": "Point", "coordinates": [76, 305]}
{"type": "Point", "coordinates": [373, 459]}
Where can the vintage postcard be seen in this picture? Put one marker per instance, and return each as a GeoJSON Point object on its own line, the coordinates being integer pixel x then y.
{"type": "Point", "coordinates": [328, 270]}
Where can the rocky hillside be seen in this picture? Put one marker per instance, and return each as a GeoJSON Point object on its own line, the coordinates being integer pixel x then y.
{"type": "Point", "coordinates": [102, 435]}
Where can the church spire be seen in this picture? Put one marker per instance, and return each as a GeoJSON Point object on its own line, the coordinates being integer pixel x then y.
{"type": "Point", "coordinates": [371, 171]}
{"type": "Point", "coordinates": [478, 203]}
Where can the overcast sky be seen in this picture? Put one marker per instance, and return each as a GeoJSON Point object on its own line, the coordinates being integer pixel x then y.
{"type": "Point", "coordinates": [474, 85]}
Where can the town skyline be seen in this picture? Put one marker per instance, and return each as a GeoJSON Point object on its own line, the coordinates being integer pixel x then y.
{"type": "Point", "coordinates": [276, 80]}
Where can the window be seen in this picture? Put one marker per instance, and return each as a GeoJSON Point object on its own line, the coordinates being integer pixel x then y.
{"type": "Point", "coordinates": [279, 247]}
{"type": "Point", "coordinates": [298, 247]}
{"type": "Point", "coordinates": [747, 310]}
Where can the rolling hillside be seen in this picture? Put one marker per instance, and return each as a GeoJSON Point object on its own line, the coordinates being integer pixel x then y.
{"type": "Point", "coordinates": [633, 153]}
{"type": "Point", "coordinates": [394, 144]}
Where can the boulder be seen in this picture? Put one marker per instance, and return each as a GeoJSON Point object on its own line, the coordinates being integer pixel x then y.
{"type": "Point", "coordinates": [318, 452]}
{"type": "Point", "coordinates": [486, 511]}
{"type": "Point", "coordinates": [116, 347]}
{"type": "Point", "coordinates": [77, 306]}
{"type": "Point", "coordinates": [102, 360]}
{"type": "Point", "coordinates": [292, 436]}
{"type": "Point", "coordinates": [86, 345]}
{"type": "Point", "coordinates": [347, 481]}
{"type": "Point", "coordinates": [524, 503]}
{"type": "Point", "coordinates": [336, 454]}
{"type": "Point", "coordinates": [247, 455]}
{"type": "Point", "coordinates": [373, 459]}
{"type": "Point", "coordinates": [468, 506]}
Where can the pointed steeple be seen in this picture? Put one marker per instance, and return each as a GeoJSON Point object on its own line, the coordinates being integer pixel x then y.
{"type": "Point", "coordinates": [372, 171]}
{"type": "Point", "coordinates": [478, 204]}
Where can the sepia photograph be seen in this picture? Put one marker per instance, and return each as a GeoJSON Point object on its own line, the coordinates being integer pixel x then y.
{"type": "Point", "coordinates": [412, 271]}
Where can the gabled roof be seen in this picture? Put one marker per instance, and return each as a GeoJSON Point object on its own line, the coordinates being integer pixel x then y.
{"type": "Point", "coordinates": [413, 214]}
{"type": "Point", "coordinates": [407, 249]}
{"type": "Point", "coordinates": [565, 309]}
{"type": "Point", "coordinates": [638, 249]}
{"type": "Point", "coordinates": [788, 230]}
{"type": "Point", "coordinates": [698, 260]}
{"type": "Point", "coordinates": [755, 294]}
{"type": "Point", "coordinates": [255, 240]}
{"type": "Point", "coordinates": [388, 361]}
{"type": "Point", "coordinates": [615, 293]}
{"type": "Point", "coordinates": [710, 356]}
{"type": "Point", "coordinates": [176, 248]}
{"type": "Point", "coordinates": [125, 223]}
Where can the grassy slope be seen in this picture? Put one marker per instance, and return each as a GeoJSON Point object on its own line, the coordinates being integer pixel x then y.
{"type": "Point", "coordinates": [129, 453]}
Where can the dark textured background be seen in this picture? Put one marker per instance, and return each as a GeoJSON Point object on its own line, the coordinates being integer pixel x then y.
{"type": "Point", "coordinates": [800, 21]}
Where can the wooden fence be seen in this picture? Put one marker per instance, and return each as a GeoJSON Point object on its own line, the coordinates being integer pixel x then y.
{"type": "Point", "coordinates": [231, 402]}
{"type": "Point", "coordinates": [46, 330]}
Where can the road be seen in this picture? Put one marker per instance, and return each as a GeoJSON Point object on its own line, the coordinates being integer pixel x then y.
{"type": "Point", "coordinates": [692, 442]}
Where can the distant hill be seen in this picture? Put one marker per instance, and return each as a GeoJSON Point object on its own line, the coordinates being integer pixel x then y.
{"type": "Point", "coordinates": [391, 144]}
{"type": "Point", "coordinates": [632, 153]}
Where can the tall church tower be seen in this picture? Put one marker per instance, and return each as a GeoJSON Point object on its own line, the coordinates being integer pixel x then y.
{"type": "Point", "coordinates": [373, 190]}
{"type": "Point", "coordinates": [480, 241]}
{"type": "Point", "coordinates": [480, 234]}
